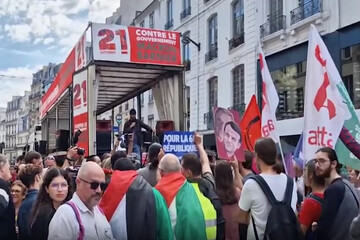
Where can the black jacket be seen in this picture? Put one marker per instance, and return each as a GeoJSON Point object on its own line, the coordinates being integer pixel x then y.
{"type": "Point", "coordinates": [40, 228]}
{"type": "Point", "coordinates": [7, 212]}
{"type": "Point", "coordinates": [137, 129]}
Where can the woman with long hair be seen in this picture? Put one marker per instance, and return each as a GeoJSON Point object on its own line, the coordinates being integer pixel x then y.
{"type": "Point", "coordinates": [54, 191]}
{"type": "Point", "coordinates": [149, 172]}
{"type": "Point", "coordinates": [18, 193]}
{"type": "Point", "coordinates": [229, 194]}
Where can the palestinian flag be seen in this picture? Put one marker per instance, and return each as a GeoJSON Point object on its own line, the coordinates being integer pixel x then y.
{"type": "Point", "coordinates": [134, 209]}
{"type": "Point", "coordinates": [187, 218]}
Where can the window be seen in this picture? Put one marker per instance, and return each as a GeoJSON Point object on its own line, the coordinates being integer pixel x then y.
{"type": "Point", "coordinates": [238, 17]}
{"type": "Point", "coordinates": [151, 120]}
{"type": "Point", "coordinates": [169, 7]}
{"type": "Point", "coordinates": [238, 86]}
{"type": "Point", "coordinates": [127, 106]}
{"type": "Point", "coordinates": [142, 24]}
{"type": "Point", "coordinates": [151, 20]}
{"type": "Point", "coordinates": [186, 51]}
{"type": "Point", "coordinates": [350, 62]}
{"type": "Point", "coordinates": [213, 38]}
{"type": "Point", "coordinates": [186, 4]}
{"type": "Point", "coordinates": [289, 82]}
{"type": "Point", "coordinates": [142, 99]}
{"type": "Point", "coordinates": [151, 97]}
{"type": "Point", "coordinates": [120, 108]}
{"type": "Point", "coordinates": [276, 8]}
{"type": "Point", "coordinates": [213, 90]}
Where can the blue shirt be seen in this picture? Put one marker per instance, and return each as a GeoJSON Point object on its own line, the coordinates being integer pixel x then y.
{"type": "Point", "coordinates": [24, 214]}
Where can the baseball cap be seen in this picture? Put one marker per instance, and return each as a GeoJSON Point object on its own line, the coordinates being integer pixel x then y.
{"type": "Point", "coordinates": [132, 112]}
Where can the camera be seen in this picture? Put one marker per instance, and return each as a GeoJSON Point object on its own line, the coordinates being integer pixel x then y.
{"type": "Point", "coordinates": [76, 136]}
{"type": "Point", "coordinates": [80, 151]}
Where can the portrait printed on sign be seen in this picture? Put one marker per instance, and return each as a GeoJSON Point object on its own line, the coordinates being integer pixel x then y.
{"type": "Point", "coordinates": [228, 134]}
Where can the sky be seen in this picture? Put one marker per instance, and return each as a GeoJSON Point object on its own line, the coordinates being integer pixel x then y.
{"type": "Point", "coordinates": [36, 32]}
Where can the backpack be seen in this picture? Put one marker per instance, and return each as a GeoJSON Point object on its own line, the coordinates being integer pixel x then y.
{"type": "Point", "coordinates": [317, 199]}
{"type": "Point", "coordinates": [282, 222]}
{"type": "Point", "coordinates": [310, 234]}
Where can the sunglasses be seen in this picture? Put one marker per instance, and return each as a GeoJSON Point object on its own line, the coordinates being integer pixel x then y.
{"type": "Point", "coordinates": [95, 185]}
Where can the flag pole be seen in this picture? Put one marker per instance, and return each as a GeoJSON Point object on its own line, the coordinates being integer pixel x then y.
{"type": "Point", "coordinates": [282, 157]}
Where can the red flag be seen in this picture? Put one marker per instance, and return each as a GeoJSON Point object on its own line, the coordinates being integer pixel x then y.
{"type": "Point", "coordinates": [251, 125]}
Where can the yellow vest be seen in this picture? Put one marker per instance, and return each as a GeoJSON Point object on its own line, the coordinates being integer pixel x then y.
{"type": "Point", "coordinates": [208, 211]}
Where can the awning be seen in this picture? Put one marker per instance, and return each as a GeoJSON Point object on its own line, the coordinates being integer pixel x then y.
{"type": "Point", "coordinates": [119, 82]}
{"type": "Point", "coordinates": [63, 107]}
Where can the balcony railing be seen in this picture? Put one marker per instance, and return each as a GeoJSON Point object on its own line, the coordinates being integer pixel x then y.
{"type": "Point", "coordinates": [305, 10]}
{"type": "Point", "coordinates": [209, 120]}
{"type": "Point", "coordinates": [281, 115]}
{"type": "Point", "coordinates": [185, 13]}
{"type": "Point", "coordinates": [236, 41]}
{"type": "Point", "coordinates": [169, 24]}
{"type": "Point", "coordinates": [35, 95]}
{"type": "Point", "coordinates": [240, 108]}
{"type": "Point", "coordinates": [187, 64]}
{"type": "Point", "coordinates": [212, 54]}
{"type": "Point", "coordinates": [274, 24]}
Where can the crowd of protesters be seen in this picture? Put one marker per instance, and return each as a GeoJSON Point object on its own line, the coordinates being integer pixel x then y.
{"type": "Point", "coordinates": [197, 197]}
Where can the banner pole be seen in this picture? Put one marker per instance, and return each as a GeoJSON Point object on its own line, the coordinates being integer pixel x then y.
{"type": "Point", "coordinates": [282, 157]}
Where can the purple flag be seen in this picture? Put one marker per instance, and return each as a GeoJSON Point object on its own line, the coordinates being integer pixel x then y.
{"type": "Point", "coordinates": [289, 165]}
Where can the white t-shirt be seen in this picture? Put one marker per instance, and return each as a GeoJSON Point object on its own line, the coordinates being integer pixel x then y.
{"type": "Point", "coordinates": [253, 199]}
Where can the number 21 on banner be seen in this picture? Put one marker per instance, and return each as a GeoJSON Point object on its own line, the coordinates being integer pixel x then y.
{"type": "Point", "coordinates": [107, 46]}
{"type": "Point", "coordinates": [80, 95]}
{"type": "Point", "coordinates": [80, 53]}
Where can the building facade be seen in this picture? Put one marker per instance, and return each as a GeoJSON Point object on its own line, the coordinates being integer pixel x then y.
{"type": "Point", "coordinates": [12, 114]}
{"type": "Point", "coordinates": [2, 129]}
{"type": "Point", "coordinates": [284, 28]}
{"type": "Point", "coordinates": [23, 125]}
{"type": "Point", "coordinates": [220, 41]}
{"type": "Point", "coordinates": [220, 61]}
{"type": "Point", "coordinates": [41, 82]}
{"type": "Point", "coordinates": [128, 10]}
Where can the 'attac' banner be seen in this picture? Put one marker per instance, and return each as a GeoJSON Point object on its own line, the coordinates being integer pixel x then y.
{"type": "Point", "coordinates": [136, 45]}
{"type": "Point", "coordinates": [179, 143]}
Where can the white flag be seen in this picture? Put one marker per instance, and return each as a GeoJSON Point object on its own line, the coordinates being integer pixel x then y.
{"type": "Point", "coordinates": [324, 110]}
{"type": "Point", "coordinates": [270, 101]}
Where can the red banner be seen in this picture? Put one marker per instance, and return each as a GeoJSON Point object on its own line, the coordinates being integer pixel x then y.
{"type": "Point", "coordinates": [62, 81]}
{"type": "Point", "coordinates": [137, 45]}
{"type": "Point", "coordinates": [251, 125]}
{"type": "Point", "coordinates": [80, 103]}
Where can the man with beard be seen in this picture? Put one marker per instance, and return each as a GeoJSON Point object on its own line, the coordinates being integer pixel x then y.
{"type": "Point", "coordinates": [341, 203]}
{"type": "Point", "coordinates": [81, 218]}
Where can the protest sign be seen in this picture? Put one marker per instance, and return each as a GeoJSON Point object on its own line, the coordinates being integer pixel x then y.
{"type": "Point", "coordinates": [228, 134]}
{"type": "Point", "coordinates": [179, 143]}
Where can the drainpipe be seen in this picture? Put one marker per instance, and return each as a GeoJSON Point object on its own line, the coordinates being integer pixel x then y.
{"type": "Point", "coordinates": [198, 70]}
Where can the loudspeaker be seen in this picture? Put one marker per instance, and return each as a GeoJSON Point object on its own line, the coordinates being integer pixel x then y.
{"type": "Point", "coordinates": [62, 140]}
{"type": "Point", "coordinates": [42, 147]}
{"type": "Point", "coordinates": [163, 126]}
{"type": "Point", "coordinates": [103, 137]}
